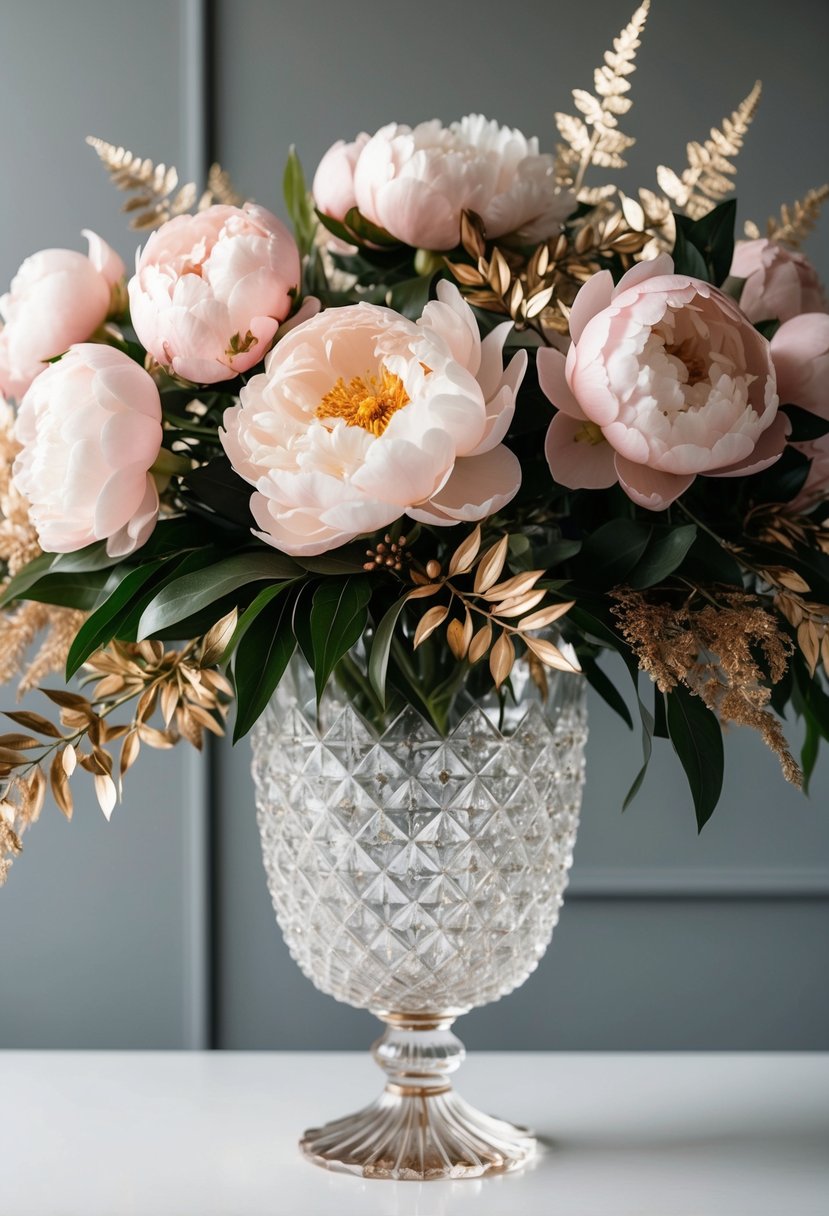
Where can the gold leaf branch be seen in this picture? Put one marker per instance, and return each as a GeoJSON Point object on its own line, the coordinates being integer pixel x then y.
{"type": "Point", "coordinates": [489, 617]}
{"type": "Point", "coordinates": [189, 695]}
{"type": "Point", "coordinates": [795, 223]}
{"type": "Point", "coordinates": [594, 138]}
{"type": "Point", "coordinates": [708, 178]}
{"type": "Point", "coordinates": [156, 194]}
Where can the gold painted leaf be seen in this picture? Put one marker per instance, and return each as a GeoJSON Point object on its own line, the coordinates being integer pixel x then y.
{"type": "Point", "coordinates": [545, 616]}
{"type": "Point", "coordinates": [514, 586]}
{"type": "Point", "coordinates": [550, 655]}
{"type": "Point", "coordinates": [429, 622]}
{"type": "Point", "coordinates": [522, 603]}
{"type": "Point", "coordinates": [491, 565]}
{"type": "Point", "coordinates": [464, 556]}
{"type": "Point", "coordinates": [501, 659]}
{"type": "Point", "coordinates": [60, 786]}
{"type": "Point", "coordinates": [480, 644]}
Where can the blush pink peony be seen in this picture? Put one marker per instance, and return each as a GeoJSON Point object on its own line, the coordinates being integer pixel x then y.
{"type": "Point", "coordinates": [333, 187]}
{"type": "Point", "coordinates": [665, 379]}
{"type": "Point", "coordinates": [210, 290]}
{"type": "Point", "coordinates": [90, 430]}
{"type": "Point", "coordinates": [800, 352]}
{"type": "Point", "coordinates": [416, 182]}
{"type": "Point", "coordinates": [56, 298]}
{"type": "Point", "coordinates": [779, 282]}
{"type": "Point", "coordinates": [362, 416]}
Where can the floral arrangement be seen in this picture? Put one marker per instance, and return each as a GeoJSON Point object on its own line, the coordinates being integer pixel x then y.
{"type": "Point", "coordinates": [476, 411]}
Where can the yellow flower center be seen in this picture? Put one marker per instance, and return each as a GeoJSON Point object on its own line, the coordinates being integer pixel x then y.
{"type": "Point", "coordinates": [590, 433]}
{"type": "Point", "coordinates": [366, 401]}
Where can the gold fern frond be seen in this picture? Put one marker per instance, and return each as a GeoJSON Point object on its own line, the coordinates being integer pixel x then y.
{"type": "Point", "coordinates": [155, 197]}
{"type": "Point", "coordinates": [795, 223]}
{"type": "Point", "coordinates": [220, 188]}
{"type": "Point", "coordinates": [595, 138]}
{"type": "Point", "coordinates": [709, 176]}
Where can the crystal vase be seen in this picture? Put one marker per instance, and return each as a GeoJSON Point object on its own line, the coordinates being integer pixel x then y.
{"type": "Point", "coordinates": [418, 875]}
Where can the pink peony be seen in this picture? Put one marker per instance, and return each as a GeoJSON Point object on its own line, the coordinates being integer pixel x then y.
{"type": "Point", "coordinates": [415, 183]}
{"type": "Point", "coordinates": [362, 416]}
{"type": "Point", "coordinates": [56, 298]}
{"type": "Point", "coordinates": [779, 282]}
{"type": "Point", "coordinates": [665, 379]}
{"type": "Point", "coordinates": [333, 187]}
{"type": "Point", "coordinates": [210, 290]}
{"type": "Point", "coordinates": [90, 430]}
{"type": "Point", "coordinates": [800, 352]}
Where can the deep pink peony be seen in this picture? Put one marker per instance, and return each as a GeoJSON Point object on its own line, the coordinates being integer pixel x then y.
{"type": "Point", "coordinates": [362, 416]}
{"type": "Point", "coordinates": [90, 430]}
{"type": "Point", "coordinates": [416, 182]}
{"type": "Point", "coordinates": [210, 290]}
{"type": "Point", "coordinates": [779, 282]}
{"type": "Point", "coordinates": [56, 298]}
{"type": "Point", "coordinates": [665, 379]}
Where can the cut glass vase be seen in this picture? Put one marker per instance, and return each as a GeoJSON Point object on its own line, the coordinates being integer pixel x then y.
{"type": "Point", "coordinates": [418, 876]}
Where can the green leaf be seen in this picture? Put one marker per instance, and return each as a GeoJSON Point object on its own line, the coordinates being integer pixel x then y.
{"type": "Point", "coordinates": [338, 617]}
{"type": "Point", "coordinates": [606, 689]}
{"type": "Point", "coordinates": [687, 258]}
{"type": "Point", "coordinates": [697, 739]}
{"type": "Point", "coordinates": [366, 231]}
{"type": "Point", "coordinates": [646, 718]}
{"type": "Point", "coordinates": [102, 626]}
{"type": "Point", "coordinates": [187, 595]}
{"type": "Point", "coordinates": [297, 202]}
{"type": "Point", "coordinates": [93, 557]}
{"type": "Point", "coordinates": [809, 751]}
{"type": "Point", "coordinates": [611, 552]}
{"type": "Point", "coordinates": [253, 610]}
{"type": "Point", "coordinates": [713, 237]}
{"type": "Point", "coordinates": [347, 560]}
{"type": "Point", "coordinates": [378, 659]}
{"type": "Point", "coordinates": [709, 562]}
{"type": "Point", "coordinates": [31, 573]}
{"type": "Point", "coordinates": [664, 555]}
{"type": "Point", "coordinates": [261, 658]}
{"type": "Point", "coordinates": [68, 590]}
{"type": "Point", "coordinates": [411, 296]}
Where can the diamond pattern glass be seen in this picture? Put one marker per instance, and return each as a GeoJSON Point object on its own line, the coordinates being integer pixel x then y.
{"type": "Point", "coordinates": [416, 875]}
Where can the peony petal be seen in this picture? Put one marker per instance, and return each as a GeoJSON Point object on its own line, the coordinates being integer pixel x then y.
{"type": "Point", "coordinates": [593, 297]}
{"type": "Point", "coordinates": [648, 487]}
{"type": "Point", "coordinates": [661, 265]}
{"type": "Point", "coordinates": [105, 260]}
{"type": "Point", "coordinates": [575, 462]}
{"type": "Point", "coordinates": [551, 366]}
{"type": "Point", "coordinates": [768, 448]}
{"type": "Point", "coordinates": [477, 487]}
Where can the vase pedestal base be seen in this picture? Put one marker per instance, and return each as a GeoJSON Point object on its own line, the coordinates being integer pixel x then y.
{"type": "Point", "coordinates": [419, 1128]}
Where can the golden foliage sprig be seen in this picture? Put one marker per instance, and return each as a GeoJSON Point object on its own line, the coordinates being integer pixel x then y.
{"type": "Point", "coordinates": [156, 194]}
{"type": "Point", "coordinates": [487, 618]}
{"type": "Point", "coordinates": [190, 696]}
{"type": "Point", "coordinates": [795, 222]}
{"type": "Point", "coordinates": [708, 178]}
{"type": "Point", "coordinates": [595, 138]}
{"type": "Point", "coordinates": [504, 281]}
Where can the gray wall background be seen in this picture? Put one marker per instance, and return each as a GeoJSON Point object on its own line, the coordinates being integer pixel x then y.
{"type": "Point", "coordinates": [156, 930]}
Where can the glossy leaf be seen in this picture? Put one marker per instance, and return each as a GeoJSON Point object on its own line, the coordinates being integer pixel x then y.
{"type": "Point", "coordinates": [187, 595]}
{"type": "Point", "coordinates": [261, 658]}
{"type": "Point", "coordinates": [338, 617]}
{"type": "Point", "coordinates": [665, 554]}
{"type": "Point", "coordinates": [378, 659]}
{"type": "Point", "coordinates": [697, 739]}
{"type": "Point", "coordinates": [102, 626]}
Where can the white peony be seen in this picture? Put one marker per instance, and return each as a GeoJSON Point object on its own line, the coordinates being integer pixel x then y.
{"type": "Point", "coordinates": [415, 183]}
{"type": "Point", "coordinates": [362, 416]}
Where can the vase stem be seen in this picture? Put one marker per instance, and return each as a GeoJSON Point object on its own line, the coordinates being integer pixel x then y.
{"type": "Point", "coordinates": [419, 1128]}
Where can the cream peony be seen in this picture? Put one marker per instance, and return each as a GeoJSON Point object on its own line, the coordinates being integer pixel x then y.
{"type": "Point", "coordinates": [56, 298]}
{"type": "Point", "coordinates": [333, 187]}
{"type": "Point", "coordinates": [90, 430]}
{"type": "Point", "coordinates": [362, 416]}
{"type": "Point", "coordinates": [665, 379]}
{"type": "Point", "coordinates": [779, 282]}
{"type": "Point", "coordinates": [415, 183]}
{"type": "Point", "coordinates": [210, 290]}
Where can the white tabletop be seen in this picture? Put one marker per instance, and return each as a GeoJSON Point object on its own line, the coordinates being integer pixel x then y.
{"type": "Point", "coordinates": [178, 1134]}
